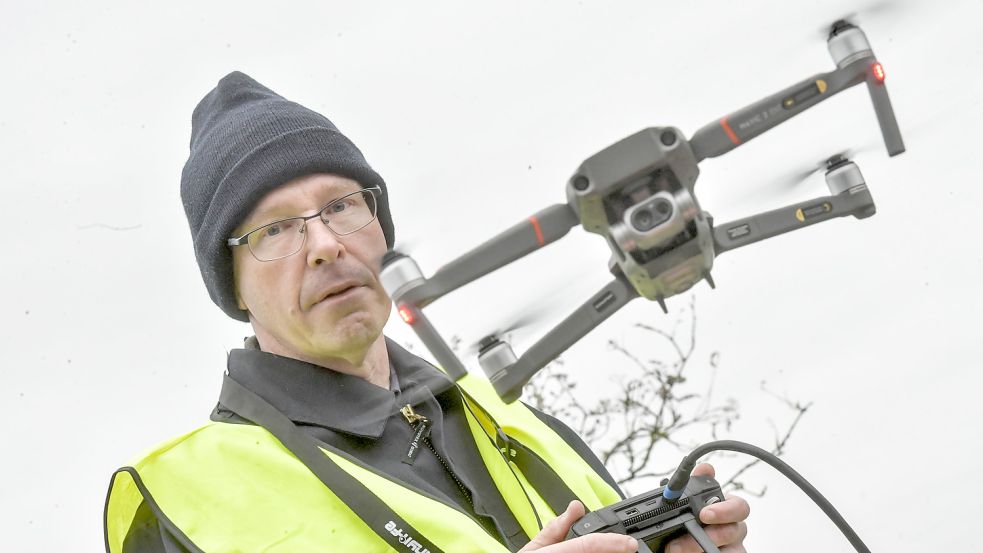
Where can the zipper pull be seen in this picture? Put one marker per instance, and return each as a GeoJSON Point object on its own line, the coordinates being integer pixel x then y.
{"type": "Point", "coordinates": [422, 426]}
{"type": "Point", "coordinates": [412, 416]}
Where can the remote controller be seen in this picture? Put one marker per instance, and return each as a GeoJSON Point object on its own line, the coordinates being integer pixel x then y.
{"type": "Point", "coordinates": [654, 520]}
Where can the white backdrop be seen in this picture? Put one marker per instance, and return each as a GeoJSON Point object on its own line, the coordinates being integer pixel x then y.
{"type": "Point", "coordinates": [476, 116]}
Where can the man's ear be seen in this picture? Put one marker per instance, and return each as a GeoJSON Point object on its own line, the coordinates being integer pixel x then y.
{"type": "Point", "coordinates": [235, 285]}
{"type": "Point", "coordinates": [239, 302]}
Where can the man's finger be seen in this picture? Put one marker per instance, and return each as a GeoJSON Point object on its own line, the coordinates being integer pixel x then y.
{"type": "Point", "coordinates": [550, 538]}
{"type": "Point", "coordinates": [727, 534]}
{"type": "Point", "coordinates": [597, 543]}
{"type": "Point", "coordinates": [704, 469]}
{"type": "Point", "coordinates": [732, 509]}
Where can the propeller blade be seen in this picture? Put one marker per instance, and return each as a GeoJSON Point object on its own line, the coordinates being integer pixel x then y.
{"type": "Point", "coordinates": [527, 318]}
{"type": "Point", "coordinates": [863, 15]}
{"type": "Point", "coordinates": [530, 314]}
{"type": "Point", "coordinates": [798, 177]}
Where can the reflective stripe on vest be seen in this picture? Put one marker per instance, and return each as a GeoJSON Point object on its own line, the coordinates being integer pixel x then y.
{"type": "Point", "coordinates": [234, 487]}
{"type": "Point", "coordinates": [519, 423]}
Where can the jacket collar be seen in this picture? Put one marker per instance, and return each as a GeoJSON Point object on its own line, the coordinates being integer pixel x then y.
{"type": "Point", "coordinates": [314, 395]}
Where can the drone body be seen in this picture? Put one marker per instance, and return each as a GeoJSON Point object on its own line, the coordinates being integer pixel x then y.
{"type": "Point", "coordinates": [639, 194]}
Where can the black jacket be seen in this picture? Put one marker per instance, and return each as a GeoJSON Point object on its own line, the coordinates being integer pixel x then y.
{"type": "Point", "coordinates": [363, 419]}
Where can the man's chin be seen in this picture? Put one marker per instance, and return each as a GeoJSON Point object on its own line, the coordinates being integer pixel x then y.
{"type": "Point", "coordinates": [351, 332]}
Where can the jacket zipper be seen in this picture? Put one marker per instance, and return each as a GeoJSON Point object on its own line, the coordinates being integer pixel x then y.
{"type": "Point", "coordinates": [415, 420]}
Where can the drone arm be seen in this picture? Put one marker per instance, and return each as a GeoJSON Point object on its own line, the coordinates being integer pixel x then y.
{"type": "Point", "coordinates": [545, 227]}
{"type": "Point", "coordinates": [731, 131]}
{"type": "Point", "coordinates": [613, 296]}
{"type": "Point", "coordinates": [856, 201]}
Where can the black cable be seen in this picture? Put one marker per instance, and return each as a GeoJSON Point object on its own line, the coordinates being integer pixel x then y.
{"type": "Point", "coordinates": [682, 474]}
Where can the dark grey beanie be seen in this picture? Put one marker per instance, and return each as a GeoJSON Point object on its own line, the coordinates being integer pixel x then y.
{"type": "Point", "coordinates": [246, 140]}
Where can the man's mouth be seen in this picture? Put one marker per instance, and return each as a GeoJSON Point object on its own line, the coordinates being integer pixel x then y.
{"type": "Point", "coordinates": [339, 291]}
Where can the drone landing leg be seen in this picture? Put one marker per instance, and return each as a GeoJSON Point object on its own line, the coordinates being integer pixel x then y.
{"type": "Point", "coordinates": [432, 340]}
{"type": "Point", "coordinates": [885, 115]}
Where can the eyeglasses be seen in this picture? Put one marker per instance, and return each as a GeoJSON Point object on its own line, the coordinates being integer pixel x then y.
{"type": "Point", "coordinates": [283, 238]}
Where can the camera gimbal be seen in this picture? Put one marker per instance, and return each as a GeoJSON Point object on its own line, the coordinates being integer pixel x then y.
{"type": "Point", "coordinates": [639, 195]}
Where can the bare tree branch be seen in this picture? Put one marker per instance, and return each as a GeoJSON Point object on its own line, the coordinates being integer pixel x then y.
{"type": "Point", "coordinates": [654, 405]}
{"type": "Point", "coordinates": [780, 443]}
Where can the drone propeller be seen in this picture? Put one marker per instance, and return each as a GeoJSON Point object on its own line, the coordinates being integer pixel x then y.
{"type": "Point", "coordinates": [406, 246]}
{"type": "Point", "coordinates": [402, 248]}
{"type": "Point", "coordinates": [799, 177]}
{"type": "Point", "coordinates": [796, 179]}
{"type": "Point", "coordinates": [872, 10]}
{"type": "Point", "coordinates": [527, 318]}
{"type": "Point", "coordinates": [524, 315]}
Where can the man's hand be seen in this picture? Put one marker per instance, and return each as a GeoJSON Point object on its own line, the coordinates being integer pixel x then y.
{"type": "Point", "coordinates": [725, 522]}
{"type": "Point", "coordinates": [550, 539]}
{"type": "Point", "coordinates": [725, 526]}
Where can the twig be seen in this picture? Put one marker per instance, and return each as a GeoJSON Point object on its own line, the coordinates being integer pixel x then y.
{"type": "Point", "coordinates": [778, 450]}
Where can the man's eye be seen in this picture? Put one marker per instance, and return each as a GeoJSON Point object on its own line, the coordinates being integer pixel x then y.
{"type": "Point", "coordinates": [339, 207]}
{"type": "Point", "coordinates": [278, 229]}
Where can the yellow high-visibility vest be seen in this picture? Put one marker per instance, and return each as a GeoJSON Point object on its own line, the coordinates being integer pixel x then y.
{"type": "Point", "coordinates": [235, 488]}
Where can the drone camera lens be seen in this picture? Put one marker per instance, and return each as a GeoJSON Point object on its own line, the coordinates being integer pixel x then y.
{"type": "Point", "coordinates": [643, 219]}
{"type": "Point", "coordinates": [652, 214]}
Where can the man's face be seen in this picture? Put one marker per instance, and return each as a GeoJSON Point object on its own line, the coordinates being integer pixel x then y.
{"type": "Point", "coordinates": [324, 301]}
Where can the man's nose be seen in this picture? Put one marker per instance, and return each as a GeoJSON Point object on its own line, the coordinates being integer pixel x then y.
{"type": "Point", "coordinates": [323, 246]}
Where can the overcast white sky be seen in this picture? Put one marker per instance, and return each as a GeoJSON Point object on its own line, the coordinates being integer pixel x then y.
{"type": "Point", "coordinates": [476, 116]}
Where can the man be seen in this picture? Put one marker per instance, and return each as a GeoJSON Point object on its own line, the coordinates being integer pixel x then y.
{"type": "Point", "coordinates": [327, 436]}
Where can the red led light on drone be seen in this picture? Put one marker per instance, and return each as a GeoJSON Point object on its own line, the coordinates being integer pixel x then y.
{"type": "Point", "coordinates": [878, 72]}
{"type": "Point", "coordinates": [406, 314]}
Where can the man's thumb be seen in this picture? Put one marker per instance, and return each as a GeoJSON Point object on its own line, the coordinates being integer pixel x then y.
{"type": "Point", "coordinates": [557, 529]}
